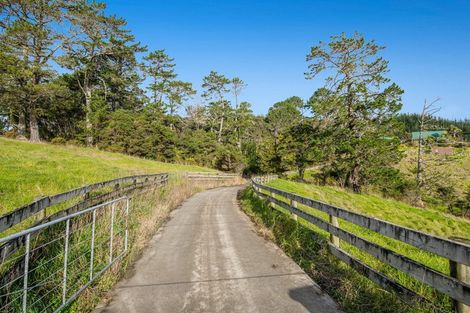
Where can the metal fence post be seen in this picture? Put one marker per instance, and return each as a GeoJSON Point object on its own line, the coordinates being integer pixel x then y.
{"type": "Point", "coordinates": [66, 255]}
{"type": "Point", "coordinates": [333, 239]}
{"type": "Point", "coordinates": [126, 236]}
{"type": "Point", "coordinates": [462, 273]}
{"type": "Point", "coordinates": [92, 255]}
{"type": "Point", "coordinates": [25, 278]}
{"type": "Point", "coordinates": [111, 234]}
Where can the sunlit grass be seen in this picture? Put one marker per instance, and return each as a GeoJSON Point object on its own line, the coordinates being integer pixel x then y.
{"type": "Point", "coordinates": [352, 291]}
{"type": "Point", "coordinates": [429, 221]}
{"type": "Point", "coordinates": [28, 170]}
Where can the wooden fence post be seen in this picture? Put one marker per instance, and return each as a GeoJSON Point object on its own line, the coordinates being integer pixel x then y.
{"type": "Point", "coordinates": [273, 205]}
{"type": "Point", "coordinates": [294, 205]}
{"type": "Point", "coordinates": [462, 273]}
{"type": "Point", "coordinates": [42, 213]}
{"type": "Point", "coordinates": [333, 239]}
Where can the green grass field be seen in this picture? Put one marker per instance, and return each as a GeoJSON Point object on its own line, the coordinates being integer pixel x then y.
{"type": "Point", "coordinates": [445, 170]}
{"type": "Point", "coordinates": [29, 170]}
{"type": "Point", "coordinates": [426, 220]}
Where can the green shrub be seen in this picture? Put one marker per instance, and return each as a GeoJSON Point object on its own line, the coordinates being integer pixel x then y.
{"type": "Point", "coordinates": [227, 159]}
{"type": "Point", "coordinates": [10, 134]}
{"type": "Point", "coordinates": [58, 141]}
{"type": "Point", "coordinates": [74, 142]}
{"type": "Point", "coordinates": [392, 183]}
{"type": "Point", "coordinates": [114, 148]}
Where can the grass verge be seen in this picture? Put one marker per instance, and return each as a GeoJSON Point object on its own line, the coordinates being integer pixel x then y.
{"type": "Point", "coordinates": [307, 246]}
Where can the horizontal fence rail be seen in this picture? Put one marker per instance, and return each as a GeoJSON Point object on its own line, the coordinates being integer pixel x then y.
{"type": "Point", "coordinates": [456, 286]}
{"type": "Point", "coordinates": [141, 181]}
{"type": "Point", "coordinates": [62, 266]}
{"type": "Point", "coordinates": [18, 215]}
{"type": "Point", "coordinates": [209, 175]}
{"type": "Point", "coordinates": [64, 251]}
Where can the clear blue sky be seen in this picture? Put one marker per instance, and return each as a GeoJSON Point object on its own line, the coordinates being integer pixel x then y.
{"type": "Point", "coordinates": [265, 43]}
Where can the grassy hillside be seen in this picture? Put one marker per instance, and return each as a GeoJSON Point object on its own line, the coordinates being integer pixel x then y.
{"type": "Point", "coordinates": [30, 170]}
{"type": "Point", "coordinates": [430, 221]}
{"type": "Point", "coordinates": [449, 172]}
{"type": "Point", "coordinates": [441, 170]}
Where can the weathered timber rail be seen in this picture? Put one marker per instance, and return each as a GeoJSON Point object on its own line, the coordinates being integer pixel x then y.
{"type": "Point", "coordinates": [72, 246]}
{"type": "Point", "coordinates": [16, 216]}
{"type": "Point", "coordinates": [209, 175]}
{"type": "Point", "coordinates": [120, 186]}
{"type": "Point", "coordinates": [456, 286]}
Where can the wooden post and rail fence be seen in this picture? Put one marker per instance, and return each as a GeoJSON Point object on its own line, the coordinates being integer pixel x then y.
{"type": "Point", "coordinates": [456, 250]}
{"type": "Point", "coordinates": [109, 195]}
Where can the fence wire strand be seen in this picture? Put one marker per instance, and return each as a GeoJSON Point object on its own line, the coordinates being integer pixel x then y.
{"type": "Point", "coordinates": [59, 262]}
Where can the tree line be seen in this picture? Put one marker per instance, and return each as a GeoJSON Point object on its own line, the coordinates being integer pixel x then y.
{"type": "Point", "coordinates": [456, 128]}
{"type": "Point", "coordinates": [70, 73]}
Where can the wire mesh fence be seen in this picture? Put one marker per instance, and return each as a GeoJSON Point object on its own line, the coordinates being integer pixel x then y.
{"type": "Point", "coordinates": [59, 259]}
{"type": "Point", "coordinates": [45, 267]}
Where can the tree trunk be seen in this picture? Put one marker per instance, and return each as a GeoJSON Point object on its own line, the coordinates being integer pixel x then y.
{"type": "Point", "coordinates": [349, 104]}
{"type": "Point", "coordinates": [219, 139]}
{"type": "Point", "coordinates": [21, 126]}
{"type": "Point", "coordinates": [419, 171]}
{"type": "Point", "coordinates": [354, 178]}
{"type": "Point", "coordinates": [89, 125]}
{"type": "Point", "coordinates": [33, 126]}
{"type": "Point", "coordinates": [239, 140]}
{"type": "Point", "coordinates": [301, 173]}
{"type": "Point", "coordinates": [239, 143]}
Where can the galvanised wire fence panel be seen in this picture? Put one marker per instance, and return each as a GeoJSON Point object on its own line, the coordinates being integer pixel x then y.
{"type": "Point", "coordinates": [61, 258]}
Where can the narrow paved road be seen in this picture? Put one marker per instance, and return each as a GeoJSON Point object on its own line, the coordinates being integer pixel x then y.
{"type": "Point", "coordinates": [208, 258]}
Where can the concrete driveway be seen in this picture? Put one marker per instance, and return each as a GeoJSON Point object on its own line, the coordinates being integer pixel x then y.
{"type": "Point", "coordinates": [209, 258]}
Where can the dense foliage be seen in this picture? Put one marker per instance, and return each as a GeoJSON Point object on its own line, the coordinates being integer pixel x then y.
{"type": "Point", "coordinates": [71, 74]}
{"type": "Point", "coordinates": [456, 128]}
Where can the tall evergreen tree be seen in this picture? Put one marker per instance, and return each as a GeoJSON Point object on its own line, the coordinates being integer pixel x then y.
{"type": "Point", "coordinates": [160, 67]}
{"type": "Point", "coordinates": [281, 116]}
{"type": "Point", "coordinates": [216, 86]}
{"type": "Point", "coordinates": [358, 102]}
{"type": "Point", "coordinates": [237, 86]}
{"type": "Point", "coordinates": [97, 38]}
{"type": "Point", "coordinates": [178, 92]}
{"type": "Point", "coordinates": [120, 76]}
{"type": "Point", "coordinates": [32, 33]}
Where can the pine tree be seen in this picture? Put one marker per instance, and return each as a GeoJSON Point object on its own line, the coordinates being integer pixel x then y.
{"type": "Point", "coordinates": [358, 103]}
{"type": "Point", "coordinates": [160, 67]}
{"type": "Point", "coordinates": [32, 34]}
{"type": "Point", "coordinates": [216, 86]}
{"type": "Point", "coordinates": [97, 38]}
